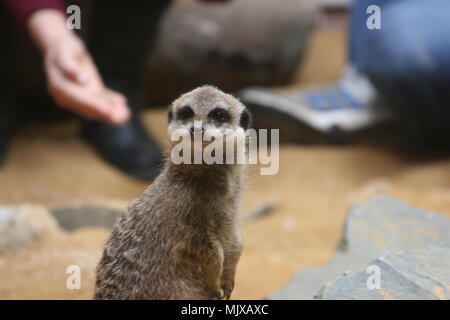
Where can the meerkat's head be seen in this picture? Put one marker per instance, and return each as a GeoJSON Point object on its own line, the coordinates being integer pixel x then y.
{"type": "Point", "coordinates": [211, 108]}
{"type": "Point", "coordinates": [207, 111]}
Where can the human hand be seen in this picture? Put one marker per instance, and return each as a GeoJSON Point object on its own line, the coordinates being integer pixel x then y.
{"type": "Point", "coordinates": [72, 78]}
{"type": "Point", "coordinates": [74, 83]}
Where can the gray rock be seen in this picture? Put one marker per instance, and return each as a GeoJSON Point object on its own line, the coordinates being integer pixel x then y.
{"type": "Point", "coordinates": [335, 4]}
{"type": "Point", "coordinates": [23, 225]}
{"type": "Point", "coordinates": [74, 217]}
{"type": "Point", "coordinates": [416, 274]}
{"type": "Point", "coordinates": [371, 229]}
{"type": "Point", "coordinates": [245, 42]}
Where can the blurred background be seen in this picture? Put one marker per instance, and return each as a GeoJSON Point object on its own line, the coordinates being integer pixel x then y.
{"type": "Point", "coordinates": [65, 197]}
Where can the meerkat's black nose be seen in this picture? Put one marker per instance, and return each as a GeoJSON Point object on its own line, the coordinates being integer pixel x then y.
{"type": "Point", "coordinates": [198, 129]}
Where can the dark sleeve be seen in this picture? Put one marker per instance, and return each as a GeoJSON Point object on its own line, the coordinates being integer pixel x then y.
{"type": "Point", "coordinates": [21, 9]}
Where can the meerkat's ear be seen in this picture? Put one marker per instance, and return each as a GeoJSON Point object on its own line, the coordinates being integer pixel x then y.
{"type": "Point", "coordinates": [246, 119]}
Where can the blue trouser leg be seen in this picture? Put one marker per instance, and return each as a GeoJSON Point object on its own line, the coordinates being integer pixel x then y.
{"type": "Point", "coordinates": [358, 29]}
{"type": "Point", "coordinates": [408, 59]}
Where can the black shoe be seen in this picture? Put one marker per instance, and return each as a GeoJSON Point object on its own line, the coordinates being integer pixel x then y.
{"type": "Point", "coordinates": [6, 133]}
{"type": "Point", "coordinates": [9, 119]}
{"type": "Point", "coordinates": [128, 147]}
{"type": "Point", "coordinates": [3, 146]}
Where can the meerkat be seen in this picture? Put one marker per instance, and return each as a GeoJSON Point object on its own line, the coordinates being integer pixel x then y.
{"type": "Point", "coordinates": [181, 238]}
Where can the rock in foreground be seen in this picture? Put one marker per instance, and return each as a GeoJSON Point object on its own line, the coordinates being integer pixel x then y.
{"type": "Point", "coordinates": [381, 224]}
{"type": "Point", "coordinates": [23, 225]}
{"type": "Point", "coordinates": [417, 274]}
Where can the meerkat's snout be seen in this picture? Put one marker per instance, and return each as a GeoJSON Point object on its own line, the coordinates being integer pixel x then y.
{"type": "Point", "coordinates": [200, 129]}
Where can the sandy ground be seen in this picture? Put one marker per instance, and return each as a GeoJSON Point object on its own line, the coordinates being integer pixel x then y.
{"type": "Point", "coordinates": [312, 191]}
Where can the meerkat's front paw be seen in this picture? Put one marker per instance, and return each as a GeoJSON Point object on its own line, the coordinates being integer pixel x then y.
{"type": "Point", "coordinates": [213, 292]}
{"type": "Point", "coordinates": [227, 288]}
{"type": "Point", "coordinates": [215, 295]}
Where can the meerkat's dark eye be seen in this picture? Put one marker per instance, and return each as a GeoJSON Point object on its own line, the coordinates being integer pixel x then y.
{"type": "Point", "coordinates": [185, 113]}
{"type": "Point", "coordinates": [219, 115]}
{"type": "Point", "coordinates": [245, 120]}
{"type": "Point", "coordinates": [170, 116]}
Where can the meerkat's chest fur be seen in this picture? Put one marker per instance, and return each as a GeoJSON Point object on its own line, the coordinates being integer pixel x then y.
{"type": "Point", "coordinates": [180, 239]}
